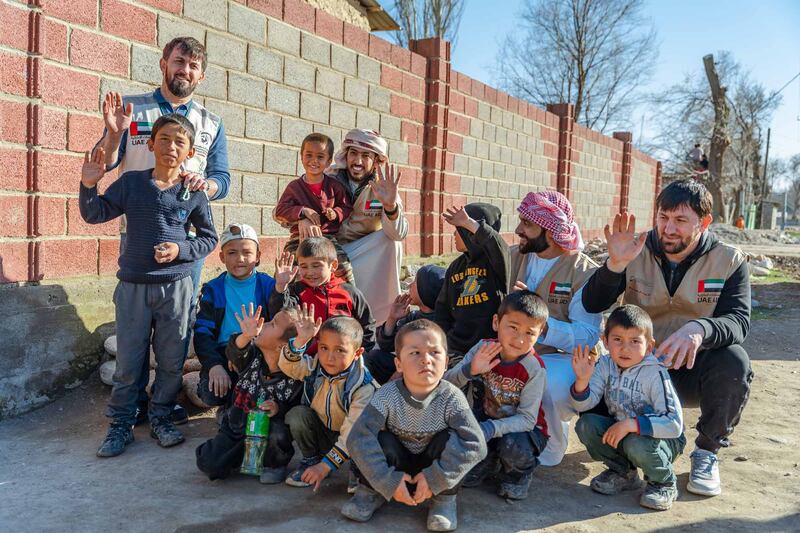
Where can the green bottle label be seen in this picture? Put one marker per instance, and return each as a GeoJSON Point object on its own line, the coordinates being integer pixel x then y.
{"type": "Point", "coordinates": [257, 423]}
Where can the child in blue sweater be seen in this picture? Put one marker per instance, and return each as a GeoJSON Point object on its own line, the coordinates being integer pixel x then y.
{"type": "Point", "coordinates": [154, 294]}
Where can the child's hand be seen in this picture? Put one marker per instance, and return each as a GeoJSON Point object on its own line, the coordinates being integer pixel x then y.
{"type": "Point", "coordinates": [423, 491]}
{"type": "Point", "coordinates": [614, 435]}
{"type": "Point", "coordinates": [219, 382]}
{"type": "Point", "coordinates": [312, 216]}
{"type": "Point", "coordinates": [94, 168]}
{"type": "Point", "coordinates": [284, 271]}
{"type": "Point", "coordinates": [399, 308]}
{"type": "Point", "coordinates": [486, 358]}
{"type": "Point", "coordinates": [270, 406]}
{"type": "Point", "coordinates": [307, 326]}
{"type": "Point", "coordinates": [583, 363]}
{"type": "Point", "coordinates": [401, 493]}
{"type": "Point", "coordinates": [315, 474]}
{"type": "Point", "coordinates": [251, 322]}
{"type": "Point", "coordinates": [166, 252]}
{"type": "Point", "coordinates": [330, 214]}
{"type": "Point", "coordinates": [458, 217]}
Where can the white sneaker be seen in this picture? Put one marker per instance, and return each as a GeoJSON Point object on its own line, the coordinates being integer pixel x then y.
{"type": "Point", "coordinates": [704, 477]}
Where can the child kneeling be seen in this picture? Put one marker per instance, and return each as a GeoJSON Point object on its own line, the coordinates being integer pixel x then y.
{"type": "Point", "coordinates": [645, 429]}
{"type": "Point", "coordinates": [254, 353]}
{"type": "Point", "coordinates": [417, 438]}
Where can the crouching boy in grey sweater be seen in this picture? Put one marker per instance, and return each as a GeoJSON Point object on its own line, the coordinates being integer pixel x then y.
{"type": "Point", "coordinates": [417, 438]}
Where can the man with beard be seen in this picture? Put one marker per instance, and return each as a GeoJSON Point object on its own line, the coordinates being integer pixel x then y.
{"type": "Point", "coordinates": [373, 233]}
{"type": "Point", "coordinates": [549, 262]}
{"type": "Point", "coordinates": [696, 289]}
{"type": "Point", "coordinates": [128, 122]}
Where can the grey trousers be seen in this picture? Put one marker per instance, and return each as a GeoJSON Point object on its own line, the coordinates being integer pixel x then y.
{"type": "Point", "coordinates": [160, 311]}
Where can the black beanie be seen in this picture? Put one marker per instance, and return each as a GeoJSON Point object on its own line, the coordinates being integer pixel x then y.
{"type": "Point", "coordinates": [430, 279]}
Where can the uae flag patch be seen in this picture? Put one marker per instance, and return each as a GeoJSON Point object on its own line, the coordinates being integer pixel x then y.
{"type": "Point", "coordinates": [710, 285]}
{"type": "Point", "coordinates": [373, 204]}
{"type": "Point", "coordinates": [560, 288]}
{"type": "Point", "coordinates": [141, 128]}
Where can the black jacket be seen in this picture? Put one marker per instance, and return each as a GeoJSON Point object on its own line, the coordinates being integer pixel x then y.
{"type": "Point", "coordinates": [475, 283]}
{"type": "Point", "coordinates": [730, 322]}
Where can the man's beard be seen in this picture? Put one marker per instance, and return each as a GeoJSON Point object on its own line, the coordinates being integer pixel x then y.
{"type": "Point", "coordinates": [180, 87]}
{"type": "Point", "coordinates": [535, 246]}
{"type": "Point", "coordinates": [674, 248]}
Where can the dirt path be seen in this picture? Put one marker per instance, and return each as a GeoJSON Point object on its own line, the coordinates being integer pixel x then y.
{"type": "Point", "coordinates": [50, 479]}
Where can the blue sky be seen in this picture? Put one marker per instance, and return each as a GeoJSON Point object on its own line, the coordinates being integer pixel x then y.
{"type": "Point", "coordinates": [764, 36]}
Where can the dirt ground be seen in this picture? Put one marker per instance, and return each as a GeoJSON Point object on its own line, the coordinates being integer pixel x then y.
{"type": "Point", "coordinates": [50, 479]}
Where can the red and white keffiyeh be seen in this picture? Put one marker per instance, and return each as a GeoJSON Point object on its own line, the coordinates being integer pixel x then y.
{"type": "Point", "coordinates": [552, 211]}
{"type": "Point", "coordinates": [362, 140]}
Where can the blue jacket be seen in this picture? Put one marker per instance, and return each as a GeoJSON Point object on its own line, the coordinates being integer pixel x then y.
{"type": "Point", "coordinates": [209, 348]}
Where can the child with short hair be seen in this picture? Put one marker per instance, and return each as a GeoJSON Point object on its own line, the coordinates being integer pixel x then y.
{"type": "Point", "coordinates": [254, 354]}
{"type": "Point", "coordinates": [476, 281]}
{"type": "Point", "coordinates": [337, 388]}
{"type": "Point", "coordinates": [316, 198]}
{"type": "Point", "coordinates": [220, 299]}
{"type": "Point", "coordinates": [318, 287]}
{"type": "Point", "coordinates": [512, 378]}
{"type": "Point", "coordinates": [154, 294]}
{"type": "Point", "coordinates": [422, 293]}
{"type": "Point", "coordinates": [417, 438]}
{"type": "Point", "coordinates": [645, 429]}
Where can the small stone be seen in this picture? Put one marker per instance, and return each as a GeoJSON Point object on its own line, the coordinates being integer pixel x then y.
{"type": "Point", "coordinates": [190, 382]}
{"type": "Point", "coordinates": [741, 458]}
{"type": "Point", "coordinates": [110, 345]}
{"type": "Point", "coordinates": [777, 440]}
{"type": "Point", "coordinates": [107, 370]}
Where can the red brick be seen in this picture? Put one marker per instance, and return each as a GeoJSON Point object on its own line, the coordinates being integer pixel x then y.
{"type": "Point", "coordinates": [355, 38]}
{"type": "Point", "coordinates": [273, 8]}
{"type": "Point", "coordinates": [15, 169]}
{"type": "Point", "coordinates": [413, 245]}
{"type": "Point", "coordinates": [108, 252]}
{"type": "Point", "coordinates": [69, 88]}
{"type": "Point", "coordinates": [415, 157]}
{"type": "Point", "coordinates": [14, 216]}
{"type": "Point", "coordinates": [391, 78]}
{"type": "Point", "coordinates": [54, 36]}
{"type": "Point", "coordinates": [59, 173]}
{"type": "Point", "coordinates": [75, 11]}
{"type": "Point", "coordinates": [83, 131]}
{"type": "Point", "coordinates": [13, 262]}
{"type": "Point", "coordinates": [53, 129]}
{"type": "Point", "coordinates": [400, 106]}
{"type": "Point", "coordinates": [412, 86]}
{"type": "Point", "coordinates": [60, 259]}
{"type": "Point", "coordinates": [408, 132]}
{"type": "Point", "coordinates": [418, 65]}
{"type": "Point", "coordinates": [50, 216]}
{"type": "Point", "coordinates": [13, 74]}
{"type": "Point", "coordinates": [455, 143]}
{"type": "Point", "coordinates": [379, 49]}
{"type": "Point", "coordinates": [327, 26]}
{"type": "Point", "coordinates": [97, 52]}
{"type": "Point", "coordinates": [76, 225]}
{"type": "Point", "coordinates": [471, 107]}
{"type": "Point", "coordinates": [400, 57]}
{"type": "Point", "coordinates": [16, 18]}
{"type": "Point", "coordinates": [299, 14]}
{"type": "Point", "coordinates": [13, 122]}
{"type": "Point", "coordinates": [117, 18]}
{"type": "Point", "coordinates": [417, 111]}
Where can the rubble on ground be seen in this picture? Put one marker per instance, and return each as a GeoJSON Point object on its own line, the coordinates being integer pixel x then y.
{"type": "Point", "coordinates": [732, 235]}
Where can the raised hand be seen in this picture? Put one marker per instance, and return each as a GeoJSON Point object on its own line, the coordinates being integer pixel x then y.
{"type": "Point", "coordinates": [486, 358]}
{"type": "Point", "coordinates": [306, 325]}
{"type": "Point", "coordinates": [285, 272]}
{"type": "Point", "coordinates": [250, 322]}
{"type": "Point", "coordinates": [583, 363]}
{"type": "Point", "coordinates": [94, 168]}
{"type": "Point", "coordinates": [458, 217]}
{"type": "Point", "coordinates": [624, 244]}
{"type": "Point", "coordinates": [385, 186]}
{"type": "Point", "coordinates": [399, 308]}
{"type": "Point", "coordinates": [117, 117]}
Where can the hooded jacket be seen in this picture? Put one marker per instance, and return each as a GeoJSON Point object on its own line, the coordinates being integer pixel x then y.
{"type": "Point", "coordinates": [643, 391]}
{"type": "Point", "coordinates": [475, 283]}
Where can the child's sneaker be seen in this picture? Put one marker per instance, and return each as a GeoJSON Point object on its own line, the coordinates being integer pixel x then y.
{"type": "Point", "coordinates": [179, 415]}
{"type": "Point", "coordinates": [295, 478]}
{"type": "Point", "coordinates": [480, 472]}
{"type": "Point", "coordinates": [363, 504]}
{"type": "Point", "coordinates": [352, 481]}
{"type": "Point", "coordinates": [704, 476]}
{"type": "Point", "coordinates": [141, 414]}
{"type": "Point", "coordinates": [163, 429]}
{"type": "Point", "coordinates": [271, 476]}
{"type": "Point", "coordinates": [443, 513]}
{"type": "Point", "coordinates": [659, 496]}
{"type": "Point", "coordinates": [117, 438]}
{"type": "Point", "coordinates": [515, 491]}
{"type": "Point", "coordinates": [612, 482]}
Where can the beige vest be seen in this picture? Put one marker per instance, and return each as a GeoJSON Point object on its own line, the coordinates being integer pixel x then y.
{"type": "Point", "coordinates": [364, 219]}
{"type": "Point", "coordinates": [696, 297]}
{"type": "Point", "coordinates": [559, 285]}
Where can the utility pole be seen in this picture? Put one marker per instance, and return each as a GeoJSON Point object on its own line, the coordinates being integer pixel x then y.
{"type": "Point", "coordinates": [763, 195]}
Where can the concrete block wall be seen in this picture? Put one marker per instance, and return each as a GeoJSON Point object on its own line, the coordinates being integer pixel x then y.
{"type": "Point", "coordinates": [645, 185]}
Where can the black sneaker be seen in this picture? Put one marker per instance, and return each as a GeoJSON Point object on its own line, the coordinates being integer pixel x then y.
{"type": "Point", "coordinates": [179, 415]}
{"type": "Point", "coordinates": [163, 429]}
{"type": "Point", "coordinates": [612, 482]}
{"type": "Point", "coordinates": [515, 491]}
{"type": "Point", "coordinates": [141, 415]}
{"type": "Point", "coordinates": [117, 438]}
{"type": "Point", "coordinates": [480, 472]}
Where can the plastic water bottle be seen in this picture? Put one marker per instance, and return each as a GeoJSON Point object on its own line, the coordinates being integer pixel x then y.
{"type": "Point", "coordinates": [255, 441]}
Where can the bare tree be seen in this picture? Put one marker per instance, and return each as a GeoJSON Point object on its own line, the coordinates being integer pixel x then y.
{"type": "Point", "coordinates": [594, 54]}
{"type": "Point", "coordinates": [793, 173]}
{"type": "Point", "coordinates": [420, 19]}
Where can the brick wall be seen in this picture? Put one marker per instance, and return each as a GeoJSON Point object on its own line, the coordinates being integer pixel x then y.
{"type": "Point", "coordinates": [278, 69]}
